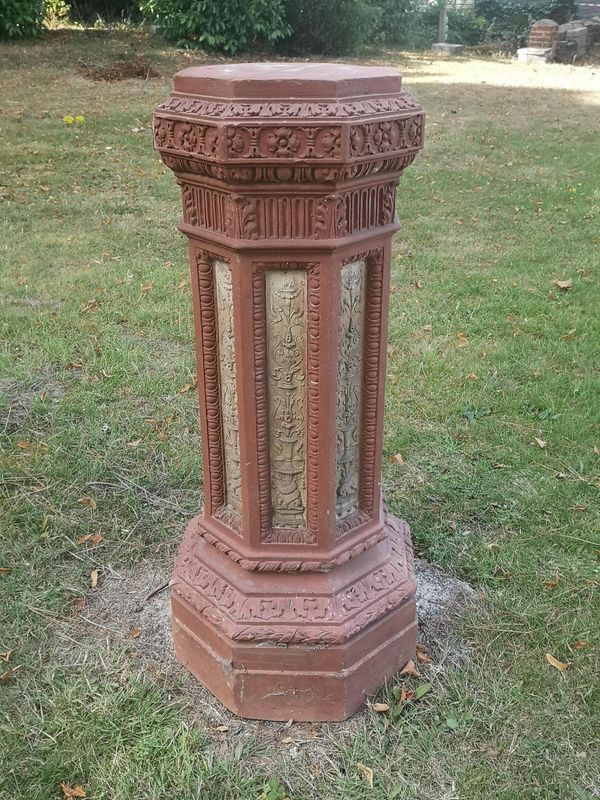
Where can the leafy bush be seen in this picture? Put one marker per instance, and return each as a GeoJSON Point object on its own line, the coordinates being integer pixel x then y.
{"type": "Point", "coordinates": [511, 19]}
{"type": "Point", "coordinates": [228, 25]}
{"type": "Point", "coordinates": [330, 28]}
{"type": "Point", "coordinates": [397, 22]}
{"type": "Point", "coordinates": [20, 18]}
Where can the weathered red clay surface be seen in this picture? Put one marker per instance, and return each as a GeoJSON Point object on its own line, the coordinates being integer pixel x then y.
{"type": "Point", "coordinates": [293, 592]}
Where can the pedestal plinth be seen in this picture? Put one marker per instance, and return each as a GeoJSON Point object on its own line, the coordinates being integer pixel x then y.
{"type": "Point", "coordinates": [293, 591]}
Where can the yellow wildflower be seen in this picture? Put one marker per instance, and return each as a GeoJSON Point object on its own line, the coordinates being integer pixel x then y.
{"type": "Point", "coordinates": [80, 118]}
{"type": "Point", "coordinates": [69, 120]}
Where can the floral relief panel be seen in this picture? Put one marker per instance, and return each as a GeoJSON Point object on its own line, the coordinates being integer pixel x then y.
{"type": "Point", "coordinates": [286, 360]}
{"type": "Point", "coordinates": [349, 386]}
{"type": "Point", "coordinates": [227, 385]}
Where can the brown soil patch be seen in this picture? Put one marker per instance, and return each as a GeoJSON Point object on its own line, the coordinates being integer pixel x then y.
{"type": "Point", "coordinates": [136, 67]}
{"type": "Point", "coordinates": [131, 608]}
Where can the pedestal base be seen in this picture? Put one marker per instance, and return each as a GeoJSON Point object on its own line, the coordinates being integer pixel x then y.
{"type": "Point", "coordinates": [302, 646]}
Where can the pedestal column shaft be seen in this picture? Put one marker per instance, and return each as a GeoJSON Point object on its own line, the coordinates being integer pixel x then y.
{"type": "Point", "coordinates": [288, 181]}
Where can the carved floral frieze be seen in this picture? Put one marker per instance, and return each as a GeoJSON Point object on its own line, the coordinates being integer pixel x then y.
{"type": "Point", "coordinates": [286, 142]}
{"type": "Point", "coordinates": [341, 109]}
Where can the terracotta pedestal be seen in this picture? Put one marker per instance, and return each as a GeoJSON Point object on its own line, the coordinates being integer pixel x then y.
{"type": "Point", "coordinates": [293, 592]}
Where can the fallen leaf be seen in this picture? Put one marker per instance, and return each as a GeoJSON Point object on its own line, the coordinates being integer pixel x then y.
{"type": "Point", "coordinates": [540, 443]}
{"type": "Point", "coordinates": [472, 377]}
{"type": "Point", "coordinates": [569, 335]}
{"type": "Point", "coordinates": [576, 646]}
{"type": "Point", "coordinates": [554, 662]}
{"type": "Point", "coordinates": [418, 285]}
{"type": "Point", "coordinates": [398, 458]}
{"type": "Point", "coordinates": [186, 388]}
{"type": "Point", "coordinates": [88, 501]}
{"type": "Point", "coordinates": [5, 656]}
{"type": "Point", "coordinates": [5, 570]}
{"type": "Point", "coordinates": [84, 539]}
{"type": "Point", "coordinates": [79, 602]}
{"type": "Point", "coordinates": [182, 284]}
{"type": "Point", "coordinates": [367, 773]}
{"type": "Point", "coordinates": [94, 578]}
{"type": "Point", "coordinates": [462, 340]}
{"type": "Point", "coordinates": [427, 327]}
{"type": "Point", "coordinates": [381, 708]}
{"type": "Point", "coordinates": [72, 791]}
{"type": "Point", "coordinates": [410, 669]}
{"type": "Point", "coordinates": [134, 443]}
{"type": "Point", "coordinates": [5, 676]}
{"type": "Point", "coordinates": [97, 538]}
{"type": "Point", "coordinates": [222, 728]}
{"type": "Point", "coordinates": [580, 507]}
{"type": "Point", "coordinates": [75, 365]}
{"type": "Point", "coordinates": [135, 633]}
{"type": "Point", "coordinates": [553, 583]}
{"type": "Point", "coordinates": [498, 466]}
{"type": "Point", "coordinates": [564, 285]}
{"type": "Point", "coordinates": [422, 655]}
{"type": "Point", "coordinates": [146, 287]}
{"type": "Point", "coordinates": [405, 695]}
{"type": "Point", "coordinates": [288, 740]}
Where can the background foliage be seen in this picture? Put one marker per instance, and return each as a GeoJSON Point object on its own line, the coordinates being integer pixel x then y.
{"type": "Point", "coordinates": [297, 26]}
{"type": "Point", "coordinates": [20, 18]}
{"type": "Point", "coordinates": [229, 26]}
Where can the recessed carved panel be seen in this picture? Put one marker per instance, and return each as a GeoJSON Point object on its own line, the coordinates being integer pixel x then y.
{"type": "Point", "coordinates": [286, 365]}
{"type": "Point", "coordinates": [227, 381]}
{"type": "Point", "coordinates": [349, 386]}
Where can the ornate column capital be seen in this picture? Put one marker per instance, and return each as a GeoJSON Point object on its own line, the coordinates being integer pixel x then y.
{"type": "Point", "coordinates": [255, 152]}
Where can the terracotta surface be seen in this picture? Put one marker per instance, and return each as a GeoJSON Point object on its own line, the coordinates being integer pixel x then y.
{"type": "Point", "coordinates": [293, 592]}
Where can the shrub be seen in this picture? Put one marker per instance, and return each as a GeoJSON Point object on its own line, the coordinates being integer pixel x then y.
{"type": "Point", "coordinates": [20, 18]}
{"type": "Point", "coordinates": [330, 28]}
{"type": "Point", "coordinates": [228, 25]}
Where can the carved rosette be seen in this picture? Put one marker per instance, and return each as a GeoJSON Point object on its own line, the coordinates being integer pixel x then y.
{"type": "Point", "coordinates": [290, 208]}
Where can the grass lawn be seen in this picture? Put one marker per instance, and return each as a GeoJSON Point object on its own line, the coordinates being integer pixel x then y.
{"type": "Point", "coordinates": [493, 402]}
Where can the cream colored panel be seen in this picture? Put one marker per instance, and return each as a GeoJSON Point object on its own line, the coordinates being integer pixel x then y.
{"type": "Point", "coordinates": [286, 353]}
{"type": "Point", "coordinates": [229, 404]}
{"type": "Point", "coordinates": [349, 389]}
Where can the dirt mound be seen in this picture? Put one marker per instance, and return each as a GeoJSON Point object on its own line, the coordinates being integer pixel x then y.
{"type": "Point", "coordinates": [136, 67]}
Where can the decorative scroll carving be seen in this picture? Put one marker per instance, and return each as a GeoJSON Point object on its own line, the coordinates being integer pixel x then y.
{"type": "Point", "coordinates": [349, 387]}
{"type": "Point", "coordinates": [284, 617]}
{"type": "Point", "coordinates": [286, 338]}
{"type": "Point", "coordinates": [341, 110]}
{"type": "Point", "coordinates": [371, 374]}
{"type": "Point", "coordinates": [259, 322]}
{"type": "Point", "coordinates": [313, 312]}
{"type": "Point", "coordinates": [210, 379]}
{"type": "Point", "coordinates": [227, 376]}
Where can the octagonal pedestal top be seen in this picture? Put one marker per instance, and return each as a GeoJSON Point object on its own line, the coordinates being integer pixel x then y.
{"type": "Point", "coordinates": [287, 80]}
